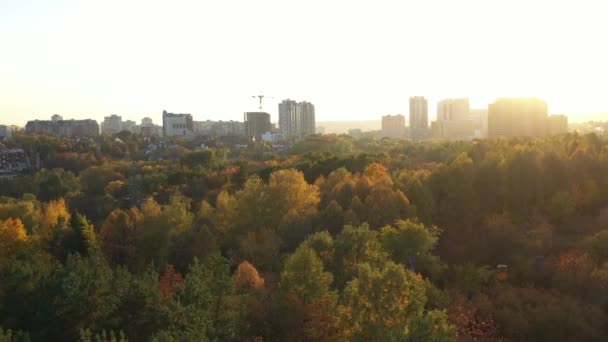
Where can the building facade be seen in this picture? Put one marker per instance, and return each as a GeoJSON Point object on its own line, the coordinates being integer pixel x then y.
{"type": "Point", "coordinates": [453, 129]}
{"type": "Point", "coordinates": [453, 120]}
{"type": "Point", "coordinates": [453, 109]}
{"type": "Point", "coordinates": [393, 126]}
{"type": "Point", "coordinates": [419, 117]}
{"type": "Point", "coordinates": [130, 126]}
{"type": "Point", "coordinates": [557, 124]}
{"type": "Point", "coordinates": [296, 119]}
{"type": "Point", "coordinates": [517, 117]}
{"type": "Point", "coordinates": [177, 125]}
{"type": "Point", "coordinates": [272, 137]}
{"type": "Point", "coordinates": [63, 128]}
{"type": "Point", "coordinates": [480, 122]}
{"type": "Point", "coordinates": [111, 124]}
{"type": "Point", "coordinates": [5, 131]}
{"type": "Point", "coordinates": [256, 124]}
{"type": "Point", "coordinates": [13, 160]}
{"type": "Point", "coordinates": [306, 112]}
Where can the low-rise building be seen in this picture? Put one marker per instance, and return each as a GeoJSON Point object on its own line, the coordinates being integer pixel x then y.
{"type": "Point", "coordinates": [393, 126]}
{"type": "Point", "coordinates": [453, 129]}
{"type": "Point", "coordinates": [5, 131]}
{"type": "Point", "coordinates": [13, 160]}
{"type": "Point", "coordinates": [272, 137]}
{"type": "Point", "coordinates": [177, 125]}
{"type": "Point", "coordinates": [63, 128]}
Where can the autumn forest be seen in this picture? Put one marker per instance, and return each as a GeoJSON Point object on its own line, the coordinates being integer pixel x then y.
{"type": "Point", "coordinates": [336, 239]}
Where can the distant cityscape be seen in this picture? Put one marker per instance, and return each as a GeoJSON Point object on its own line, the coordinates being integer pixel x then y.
{"type": "Point", "coordinates": [455, 120]}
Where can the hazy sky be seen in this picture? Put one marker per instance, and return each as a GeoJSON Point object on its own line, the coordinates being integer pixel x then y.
{"type": "Point", "coordinates": [355, 60]}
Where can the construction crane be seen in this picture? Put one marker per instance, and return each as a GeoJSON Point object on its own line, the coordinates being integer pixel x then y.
{"type": "Point", "coordinates": [261, 97]}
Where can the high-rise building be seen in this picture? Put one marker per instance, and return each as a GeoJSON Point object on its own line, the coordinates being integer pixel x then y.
{"type": "Point", "coordinates": [296, 119]}
{"type": "Point", "coordinates": [288, 119]}
{"type": "Point", "coordinates": [419, 117]}
{"type": "Point", "coordinates": [453, 120]}
{"type": "Point", "coordinates": [130, 126]}
{"type": "Point", "coordinates": [557, 124]}
{"type": "Point", "coordinates": [453, 109]}
{"type": "Point", "coordinates": [517, 117]}
{"type": "Point", "coordinates": [480, 122]}
{"type": "Point", "coordinates": [111, 124]}
{"type": "Point", "coordinates": [177, 125]}
{"type": "Point", "coordinates": [256, 124]}
{"type": "Point", "coordinates": [393, 126]}
{"type": "Point", "coordinates": [306, 112]}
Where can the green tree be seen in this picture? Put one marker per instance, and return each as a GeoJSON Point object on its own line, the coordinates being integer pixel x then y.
{"type": "Point", "coordinates": [355, 246]}
{"type": "Point", "coordinates": [381, 301]}
{"type": "Point", "coordinates": [306, 296]}
{"type": "Point", "coordinates": [412, 244]}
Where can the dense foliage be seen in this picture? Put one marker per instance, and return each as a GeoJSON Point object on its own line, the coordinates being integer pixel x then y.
{"type": "Point", "coordinates": [338, 239]}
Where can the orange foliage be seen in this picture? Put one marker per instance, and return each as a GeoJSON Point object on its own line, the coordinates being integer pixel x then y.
{"type": "Point", "coordinates": [247, 277]}
{"type": "Point", "coordinates": [170, 281]}
{"type": "Point", "coordinates": [470, 324]}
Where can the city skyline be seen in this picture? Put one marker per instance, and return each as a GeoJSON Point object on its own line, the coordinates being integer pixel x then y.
{"type": "Point", "coordinates": [85, 59]}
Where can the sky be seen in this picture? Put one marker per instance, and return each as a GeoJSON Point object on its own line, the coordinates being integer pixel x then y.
{"type": "Point", "coordinates": [354, 60]}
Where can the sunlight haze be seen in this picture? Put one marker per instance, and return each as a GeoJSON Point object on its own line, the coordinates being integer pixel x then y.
{"type": "Point", "coordinates": [353, 60]}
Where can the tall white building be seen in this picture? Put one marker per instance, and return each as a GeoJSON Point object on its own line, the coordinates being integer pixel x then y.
{"type": "Point", "coordinates": [177, 125]}
{"type": "Point", "coordinates": [453, 120]}
{"type": "Point", "coordinates": [453, 109]}
{"type": "Point", "coordinates": [296, 119]}
{"type": "Point", "coordinates": [111, 124]}
{"type": "Point", "coordinates": [419, 116]}
{"type": "Point", "coordinates": [307, 115]}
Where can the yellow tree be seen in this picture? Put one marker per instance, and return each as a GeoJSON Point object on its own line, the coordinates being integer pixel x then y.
{"type": "Point", "coordinates": [55, 216]}
{"type": "Point", "coordinates": [381, 302]}
{"type": "Point", "coordinates": [12, 236]}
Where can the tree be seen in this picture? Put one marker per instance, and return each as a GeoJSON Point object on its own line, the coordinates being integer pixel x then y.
{"type": "Point", "coordinates": [224, 307]}
{"type": "Point", "coordinates": [118, 235]}
{"type": "Point", "coordinates": [12, 237]}
{"type": "Point", "coordinates": [94, 179]}
{"type": "Point", "coordinates": [56, 217]}
{"type": "Point", "coordinates": [561, 206]}
{"type": "Point", "coordinates": [84, 294]}
{"type": "Point", "coordinates": [79, 238]}
{"type": "Point", "coordinates": [303, 277]}
{"type": "Point", "coordinates": [411, 244]}
{"type": "Point", "coordinates": [306, 296]}
{"type": "Point", "coordinates": [380, 302]}
{"type": "Point", "coordinates": [170, 281]}
{"type": "Point", "coordinates": [55, 184]}
{"type": "Point", "coordinates": [322, 244]}
{"type": "Point", "coordinates": [355, 246]}
{"type": "Point", "coordinates": [27, 211]}
{"type": "Point", "coordinates": [247, 277]}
